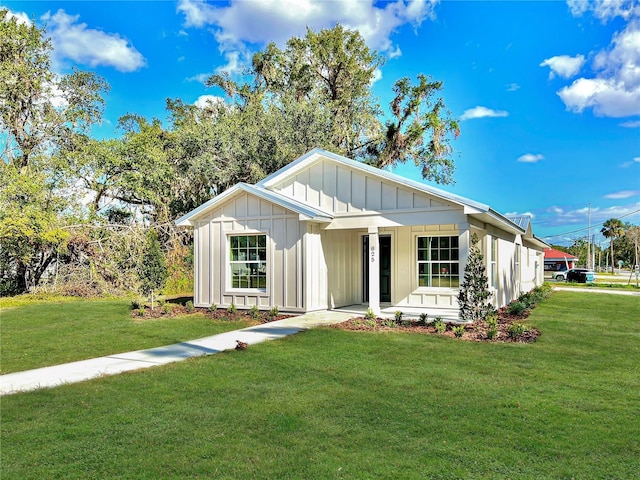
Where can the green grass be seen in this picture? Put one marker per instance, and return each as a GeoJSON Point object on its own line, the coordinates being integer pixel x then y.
{"type": "Point", "coordinates": [39, 334]}
{"type": "Point", "coordinates": [336, 404]}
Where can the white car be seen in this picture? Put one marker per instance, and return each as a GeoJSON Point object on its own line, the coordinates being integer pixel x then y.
{"type": "Point", "coordinates": [560, 275]}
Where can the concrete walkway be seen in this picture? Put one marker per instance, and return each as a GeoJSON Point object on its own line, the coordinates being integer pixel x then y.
{"type": "Point", "coordinates": [598, 290]}
{"type": "Point", "coordinates": [124, 362]}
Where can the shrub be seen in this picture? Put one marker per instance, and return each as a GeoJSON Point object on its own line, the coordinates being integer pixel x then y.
{"type": "Point", "coordinates": [167, 308]}
{"type": "Point", "coordinates": [492, 320]}
{"type": "Point", "coordinates": [369, 315]}
{"type": "Point", "coordinates": [388, 322]}
{"type": "Point", "coordinates": [458, 330]}
{"type": "Point", "coordinates": [424, 319]}
{"type": "Point", "coordinates": [140, 311]}
{"type": "Point", "coordinates": [474, 293]}
{"type": "Point", "coordinates": [189, 306]}
{"type": "Point", "coordinates": [274, 312]}
{"type": "Point", "coordinates": [232, 308]}
{"type": "Point", "coordinates": [213, 307]}
{"type": "Point", "coordinates": [516, 329]}
{"type": "Point", "coordinates": [492, 332]}
{"type": "Point", "coordinates": [516, 308]}
{"type": "Point", "coordinates": [398, 316]}
{"type": "Point", "coordinates": [371, 323]}
{"type": "Point", "coordinates": [254, 312]}
{"type": "Point", "coordinates": [440, 326]}
{"type": "Point", "coordinates": [136, 304]}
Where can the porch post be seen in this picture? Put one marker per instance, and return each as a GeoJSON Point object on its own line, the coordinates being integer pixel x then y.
{"type": "Point", "coordinates": [374, 270]}
{"type": "Point", "coordinates": [464, 245]}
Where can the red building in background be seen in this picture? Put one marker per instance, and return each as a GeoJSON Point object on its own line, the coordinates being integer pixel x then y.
{"type": "Point", "coordinates": [555, 260]}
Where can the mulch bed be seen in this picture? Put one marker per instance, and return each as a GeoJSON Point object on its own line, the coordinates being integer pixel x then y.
{"type": "Point", "coordinates": [220, 314]}
{"type": "Point", "coordinates": [476, 332]}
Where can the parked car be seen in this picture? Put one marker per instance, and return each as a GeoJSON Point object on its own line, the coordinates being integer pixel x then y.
{"type": "Point", "coordinates": [560, 274]}
{"type": "Point", "coordinates": [581, 275]}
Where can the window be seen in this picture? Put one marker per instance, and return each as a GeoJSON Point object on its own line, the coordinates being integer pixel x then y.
{"type": "Point", "coordinates": [248, 261]}
{"type": "Point", "coordinates": [517, 262]}
{"type": "Point", "coordinates": [494, 262]}
{"type": "Point", "coordinates": [438, 264]}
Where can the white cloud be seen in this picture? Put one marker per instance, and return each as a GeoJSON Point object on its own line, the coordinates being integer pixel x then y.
{"type": "Point", "coordinates": [613, 88]}
{"type": "Point", "coordinates": [563, 65]}
{"type": "Point", "coordinates": [516, 214]}
{"type": "Point", "coordinates": [88, 46]}
{"type": "Point", "coordinates": [205, 101]}
{"type": "Point", "coordinates": [623, 194]}
{"type": "Point", "coordinates": [604, 9]}
{"type": "Point", "coordinates": [631, 124]}
{"type": "Point", "coordinates": [512, 87]}
{"type": "Point", "coordinates": [240, 23]}
{"type": "Point", "coordinates": [482, 112]}
{"type": "Point", "coordinates": [530, 158]}
{"type": "Point", "coordinates": [558, 216]}
{"type": "Point", "coordinates": [21, 17]}
{"type": "Point", "coordinates": [630, 163]}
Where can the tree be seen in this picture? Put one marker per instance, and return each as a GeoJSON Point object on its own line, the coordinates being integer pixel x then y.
{"type": "Point", "coordinates": [473, 298]}
{"type": "Point", "coordinates": [612, 229]}
{"type": "Point", "coordinates": [42, 117]}
{"type": "Point", "coordinates": [152, 269]}
{"type": "Point", "coordinates": [40, 111]}
{"type": "Point", "coordinates": [331, 73]}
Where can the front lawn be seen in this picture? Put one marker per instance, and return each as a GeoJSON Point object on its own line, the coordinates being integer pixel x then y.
{"type": "Point", "coordinates": [329, 403]}
{"type": "Point", "coordinates": [49, 333]}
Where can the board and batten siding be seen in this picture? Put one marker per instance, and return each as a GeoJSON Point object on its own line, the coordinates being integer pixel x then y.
{"type": "Point", "coordinates": [248, 214]}
{"type": "Point", "coordinates": [341, 190]}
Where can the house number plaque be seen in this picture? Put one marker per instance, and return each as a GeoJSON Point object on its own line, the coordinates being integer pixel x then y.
{"type": "Point", "coordinates": [373, 254]}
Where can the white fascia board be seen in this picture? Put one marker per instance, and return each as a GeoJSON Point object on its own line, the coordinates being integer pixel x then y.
{"type": "Point", "coordinates": [305, 211]}
{"type": "Point", "coordinates": [316, 153]}
{"type": "Point", "coordinates": [186, 220]}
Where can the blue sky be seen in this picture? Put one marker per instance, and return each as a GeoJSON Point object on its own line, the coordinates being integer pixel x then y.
{"type": "Point", "coordinates": [548, 93]}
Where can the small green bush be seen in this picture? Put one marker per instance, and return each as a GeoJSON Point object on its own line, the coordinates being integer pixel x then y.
{"type": "Point", "coordinates": [371, 323]}
{"type": "Point", "coordinates": [161, 302]}
{"type": "Point", "coordinates": [492, 332]}
{"type": "Point", "coordinates": [140, 311]}
{"type": "Point", "coordinates": [516, 329]}
{"type": "Point", "coordinates": [424, 319]}
{"type": "Point", "coordinates": [274, 312]}
{"type": "Point", "coordinates": [439, 325]}
{"type": "Point", "coordinates": [369, 315]}
{"type": "Point", "coordinates": [167, 308]}
{"type": "Point", "coordinates": [458, 330]}
{"type": "Point", "coordinates": [388, 322]}
{"type": "Point", "coordinates": [516, 308]}
{"type": "Point", "coordinates": [398, 316]}
{"type": "Point", "coordinates": [254, 312]}
{"type": "Point", "coordinates": [232, 308]}
{"type": "Point", "coordinates": [492, 320]}
{"type": "Point", "coordinates": [213, 307]}
{"type": "Point", "coordinates": [189, 306]}
{"type": "Point", "coordinates": [136, 304]}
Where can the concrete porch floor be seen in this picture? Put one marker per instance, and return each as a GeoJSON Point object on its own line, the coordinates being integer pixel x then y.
{"type": "Point", "coordinates": [389, 311]}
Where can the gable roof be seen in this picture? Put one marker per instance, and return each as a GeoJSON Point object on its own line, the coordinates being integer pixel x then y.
{"type": "Point", "coordinates": [553, 254]}
{"type": "Point", "coordinates": [306, 212]}
{"type": "Point", "coordinates": [471, 207]}
{"type": "Point", "coordinates": [264, 189]}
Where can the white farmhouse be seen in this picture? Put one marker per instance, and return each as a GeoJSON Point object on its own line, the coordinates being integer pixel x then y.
{"type": "Point", "coordinates": [326, 232]}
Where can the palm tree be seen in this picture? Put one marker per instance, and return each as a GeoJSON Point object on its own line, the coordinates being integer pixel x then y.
{"type": "Point", "coordinates": [612, 229]}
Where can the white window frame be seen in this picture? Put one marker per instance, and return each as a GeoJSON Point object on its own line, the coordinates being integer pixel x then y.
{"type": "Point", "coordinates": [248, 255]}
{"type": "Point", "coordinates": [437, 261]}
{"type": "Point", "coordinates": [493, 262]}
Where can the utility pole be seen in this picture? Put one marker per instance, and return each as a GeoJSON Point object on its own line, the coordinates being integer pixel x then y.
{"type": "Point", "coordinates": [589, 239]}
